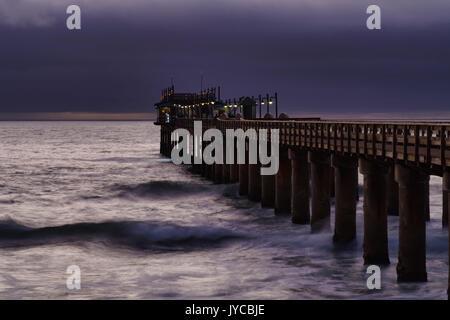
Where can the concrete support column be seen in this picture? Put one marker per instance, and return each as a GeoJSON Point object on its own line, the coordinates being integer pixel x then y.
{"type": "Point", "coordinates": [161, 139]}
{"type": "Point", "coordinates": [254, 182]}
{"type": "Point", "coordinates": [207, 171]}
{"type": "Point", "coordinates": [427, 200]}
{"type": "Point", "coordinates": [412, 185]}
{"type": "Point", "coordinates": [299, 187]}
{"type": "Point", "coordinates": [203, 164]}
{"type": "Point", "coordinates": [195, 168]}
{"type": "Point", "coordinates": [332, 183]}
{"type": "Point", "coordinates": [168, 143]}
{"type": "Point", "coordinates": [445, 197]}
{"type": "Point", "coordinates": [375, 244]}
{"type": "Point", "coordinates": [283, 184]}
{"type": "Point", "coordinates": [346, 174]}
{"type": "Point", "coordinates": [243, 176]}
{"type": "Point", "coordinates": [357, 188]}
{"type": "Point", "coordinates": [445, 215]}
{"type": "Point", "coordinates": [218, 173]}
{"type": "Point", "coordinates": [391, 193]}
{"type": "Point", "coordinates": [225, 167]}
{"type": "Point", "coordinates": [268, 191]}
{"type": "Point", "coordinates": [320, 193]}
{"type": "Point", "coordinates": [234, 173]}
{"type": "Point", "coordinates": [225, 173]}
{"type": "Point", "coordinates": [203, 169]}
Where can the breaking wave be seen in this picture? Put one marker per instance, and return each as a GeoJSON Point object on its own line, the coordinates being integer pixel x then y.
{"type": "Point", "coordinates": [140, 235]}
{"type": "Point", "coordinates": [160, 189]}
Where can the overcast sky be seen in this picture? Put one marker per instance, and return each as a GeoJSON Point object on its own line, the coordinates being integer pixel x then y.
{"type": "Point", "coordinates": [318, 54]}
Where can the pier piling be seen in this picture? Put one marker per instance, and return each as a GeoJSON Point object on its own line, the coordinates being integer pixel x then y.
{"type": "Point", "coordinates": [445, 197]}
{"type": "Point", "coordinates": [243, 175]}
{"type": "Point", "coordinates": [218, 173]}
{"type": "Point", "coordinates": [299, 187]}
{"type": "Point", "coordinates": [268, 191]}
{"type": "Point", "coordinates": [225, 173]}
{"type": "Point", "coordinates": [283, 184]}
{"type": "Point", "coordinates": [254, 182]}
{"type": "Point", "coordinates": [320, 190]}
{"type": "Point", "coordinates": [391, 193]}
{"type": "Point", "coordinates": [412, 184]}
{"type": "Point", "coordinates": [346, 174]}
{"type": "Point", "coordinates": [375, 245]}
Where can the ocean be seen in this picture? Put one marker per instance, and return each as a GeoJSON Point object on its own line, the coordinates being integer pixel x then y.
{"type": "Point", "coordinates": [99, 196]}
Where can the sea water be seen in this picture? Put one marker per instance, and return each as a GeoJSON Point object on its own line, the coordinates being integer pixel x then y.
{"type": "Point", "coordinates": [98, 195]}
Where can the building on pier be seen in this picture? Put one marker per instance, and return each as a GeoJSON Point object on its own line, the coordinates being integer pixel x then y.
{"type": "Point", "coordinates": [206, 104]}
{"type": "Point", "coordinates": [187, 105]}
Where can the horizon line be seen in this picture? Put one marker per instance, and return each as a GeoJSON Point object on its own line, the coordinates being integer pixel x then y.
{"type": "Point", "coordinates": [77, 116]}
{"type": "Point", "coordinates": [151, 116]}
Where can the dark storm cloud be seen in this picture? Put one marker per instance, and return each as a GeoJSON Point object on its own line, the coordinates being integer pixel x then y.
{"type": "Point", "coordinates": [317, 54]}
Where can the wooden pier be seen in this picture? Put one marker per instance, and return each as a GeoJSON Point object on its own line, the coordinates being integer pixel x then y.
{"type": "Point", "coordinates": [319, 158]}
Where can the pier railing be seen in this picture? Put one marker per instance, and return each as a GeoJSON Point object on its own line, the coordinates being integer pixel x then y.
{"type": "Point", "coordinates": [426, 144]}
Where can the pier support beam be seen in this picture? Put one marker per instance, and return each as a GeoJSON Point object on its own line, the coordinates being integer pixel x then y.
{"type": "Point", "coordinates": [332, 183]}
{"type": "Point", "coordinates": [234, 173]}
{"type": "Point", "coordinates": [299, 186]}
{"type": "Point", "coordinates": [254, 182]}
{"type": "Point", "coordinates": [243, 175]}
{"type": "Point", "coordinates": [427, 200]}
{"type": "Point", "coordinates": [283, 184]}
{"type": "Point", "coordinates": [412, 185]}
{"type": "Point", "coordinates": [375, 244]}
{"type": "Point", "coordinates": [225, 173]}
{"type": "Point", "coordinates": [320, 193]}
{"type": "Point", "coordinates": [268, 191]}
{"type": "Point", "coordinates": [346, 175]}
{"type": "Point", "coordinates": [218, 173]}
{"type": "Point", "coordinates": [208, 170]}
{"type": "Point", "coordinates": [391, 193]}
{"type": "Point", "coordinates": [445, 197]}
{"type": "Point", "coordinates": [445, 214]}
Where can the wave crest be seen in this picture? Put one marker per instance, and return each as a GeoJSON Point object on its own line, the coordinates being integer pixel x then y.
{"type": "Point", "coordinates": [160, 189]}
{"type": "Point", "coordinates": [134, 234]}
